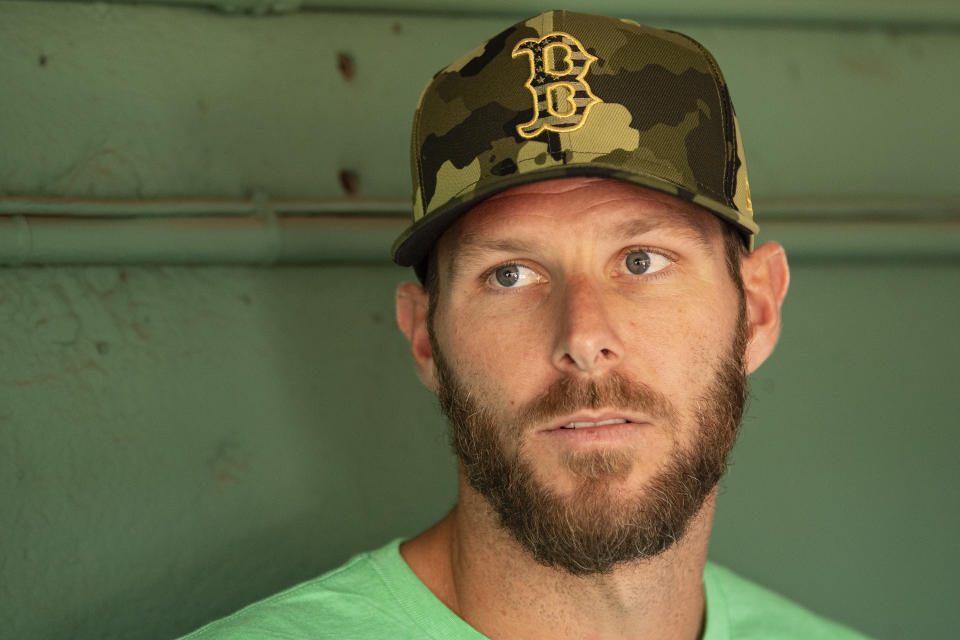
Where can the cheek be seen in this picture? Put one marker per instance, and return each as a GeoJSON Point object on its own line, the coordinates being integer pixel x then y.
{"type": "Point", "coordinates": [501, 359]}
{"type": "Point", "coordinates": [676, 349]}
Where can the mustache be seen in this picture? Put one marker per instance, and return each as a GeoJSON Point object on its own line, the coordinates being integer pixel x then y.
{"type": "Point", "coordinates": [570, 394]}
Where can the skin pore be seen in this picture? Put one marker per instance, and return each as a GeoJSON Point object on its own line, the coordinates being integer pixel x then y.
{"type": "Point", "coordinates": [537, 301]}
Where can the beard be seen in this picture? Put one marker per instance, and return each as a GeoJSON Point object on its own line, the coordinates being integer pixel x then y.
{"type": "Point", "coordinates": [594, 529]}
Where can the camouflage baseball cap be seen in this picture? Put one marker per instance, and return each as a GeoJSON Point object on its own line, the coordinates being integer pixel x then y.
{"type": "Point", "coordinates": [569, 94]}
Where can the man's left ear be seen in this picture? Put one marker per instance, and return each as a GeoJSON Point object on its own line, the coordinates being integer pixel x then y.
{"type": "Point", "coordinates": [766, 278]}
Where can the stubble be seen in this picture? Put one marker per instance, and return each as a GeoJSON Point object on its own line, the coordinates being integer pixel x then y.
{"type": "Point", "coordinates": [594, 528]}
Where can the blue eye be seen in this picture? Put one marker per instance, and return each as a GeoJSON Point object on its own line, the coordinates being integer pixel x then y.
{"type": "Point", "coordinates": [507, 276]}
{"type": "Point", "coordinates": [640, 262]}
{"type": "Point", "coordinates": [511, 276]}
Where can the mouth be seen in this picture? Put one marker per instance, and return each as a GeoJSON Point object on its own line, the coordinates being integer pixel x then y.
{"type": "Point", "coordinates": [586, 430]}
{"type": "Point", "coordinates": [585, 424]}
{"type": "Point", "coordinates": [596, 422]}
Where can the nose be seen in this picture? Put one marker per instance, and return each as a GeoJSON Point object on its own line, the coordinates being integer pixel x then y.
{"type": "Point", "coordinates": [587, 340]}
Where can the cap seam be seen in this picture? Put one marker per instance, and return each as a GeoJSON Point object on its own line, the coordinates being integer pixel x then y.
{"type": "Point", "coordinates": [714, 76]}
{"type": "Point", "coordinates": [723, 115]}
{"type": "Point", "coordinates": [415, 151]}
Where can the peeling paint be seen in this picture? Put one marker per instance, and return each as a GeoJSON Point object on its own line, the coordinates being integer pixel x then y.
{"type": "Point", "coordinates": [103, 280]}
{"type": "Point", "coordinates": [868, 68]}
{"type": "Point", "coordinates": [228, 465]}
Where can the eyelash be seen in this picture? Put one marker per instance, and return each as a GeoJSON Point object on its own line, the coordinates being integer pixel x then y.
{"type": "Point", "coordinates": [506, 263]}
{"type": "Point", "coordinates": [485, 277]}
{"type": "Point", "coordinates": [670, 256]}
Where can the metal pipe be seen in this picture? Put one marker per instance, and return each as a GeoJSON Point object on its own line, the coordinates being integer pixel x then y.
{"type": "Point", "coordinates": [324, 240]}
{"type": "Point", "coordinates": [197, 207]}
{"type": "Point", "coordinates": [880, 240]}
{"type": "Point", "coordinates": [770, 208]}
{"type": "Point", "coordinates": [264, 231]}
{"type": "Point", "coordinates": [226, 240]}
{"type": "Point", "coordinates": [942, 15]}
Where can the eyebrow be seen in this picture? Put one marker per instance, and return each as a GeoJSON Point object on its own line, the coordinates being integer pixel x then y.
{"type": "Point", "coordinates": [692, 230]}
{"type": "Point", "coordinates": [473, 245]}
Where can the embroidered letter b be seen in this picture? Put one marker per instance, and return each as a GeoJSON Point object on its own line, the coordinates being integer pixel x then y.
{"type": "Point", "coordinates": [561, 96]}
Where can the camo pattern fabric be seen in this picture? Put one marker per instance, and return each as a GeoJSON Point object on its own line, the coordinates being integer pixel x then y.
{"type": "Point", "coordinates": [569, 94]}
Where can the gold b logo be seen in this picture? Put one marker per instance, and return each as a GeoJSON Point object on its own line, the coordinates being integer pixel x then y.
{"type": "Point", "coordinates": [561, 97]}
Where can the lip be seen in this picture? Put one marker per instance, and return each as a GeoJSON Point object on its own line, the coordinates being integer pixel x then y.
{"type": "Point", "coordinates": [626, 434]}
{"type": "Point", "coordinates": [616, 434]}
{"type": "Point", "coordinates": [632, 421]}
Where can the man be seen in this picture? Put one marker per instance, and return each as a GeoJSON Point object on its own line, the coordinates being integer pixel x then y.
{"type": "Point", "coordinates": [592, 304]}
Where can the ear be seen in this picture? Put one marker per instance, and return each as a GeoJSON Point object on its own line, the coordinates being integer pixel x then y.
{"type": "Point", "coordinates": [766, 278]}
{"type": "Point", "coordinates": [412, 307]}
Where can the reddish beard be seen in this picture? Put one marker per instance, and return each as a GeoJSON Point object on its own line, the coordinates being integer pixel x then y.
{"type": "Point", "coordinates": [591, 531]}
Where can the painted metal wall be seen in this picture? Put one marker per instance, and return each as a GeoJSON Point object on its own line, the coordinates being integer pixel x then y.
{"type": "Point", "coordinates": [181, 436]}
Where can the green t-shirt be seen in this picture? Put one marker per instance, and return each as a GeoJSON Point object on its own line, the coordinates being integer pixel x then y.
{"type": "Point", "coordinates": [375, 595]}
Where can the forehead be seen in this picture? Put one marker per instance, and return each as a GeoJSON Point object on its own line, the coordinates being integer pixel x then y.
{"type": "Point", "coordinates": [575, 208]}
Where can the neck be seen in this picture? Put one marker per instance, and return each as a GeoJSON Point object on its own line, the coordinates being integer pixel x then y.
{"type": "Point", "coordinates": [477, 570]}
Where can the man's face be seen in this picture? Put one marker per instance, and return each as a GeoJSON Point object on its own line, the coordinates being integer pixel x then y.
{"type": "Point", "coordinates": [588, 342]}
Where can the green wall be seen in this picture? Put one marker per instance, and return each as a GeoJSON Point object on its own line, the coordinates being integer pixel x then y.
{"type": "Point", "coordinates": [202, 395]}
